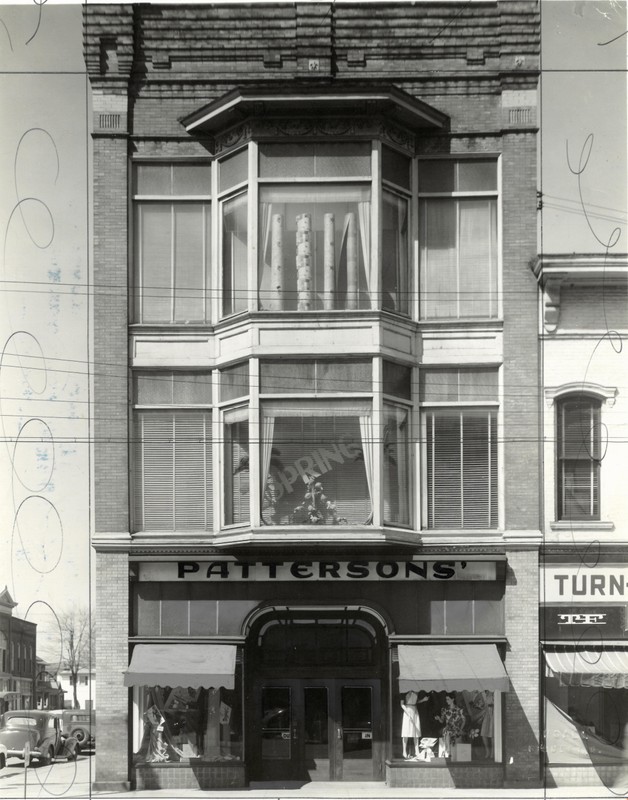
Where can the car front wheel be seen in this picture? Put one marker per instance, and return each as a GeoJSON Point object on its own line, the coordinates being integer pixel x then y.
{"type": "Point", "coordinates": [46, 759]}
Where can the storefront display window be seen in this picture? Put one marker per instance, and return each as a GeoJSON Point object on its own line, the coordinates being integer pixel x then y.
{"type": "Point", "coordinates": [178, 724]}
{"type": "Point", "coordinates": [459, 726]}
{"type": "Point", "coordinates": [586, 706]}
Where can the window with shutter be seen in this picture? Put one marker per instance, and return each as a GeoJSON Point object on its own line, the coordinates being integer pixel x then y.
{"type": "Point", "coordinates": [173, 470]}
{"type": "Point", "coordinates": [461, 468]}
{"type": "Point", "coordinates": [578, 467]}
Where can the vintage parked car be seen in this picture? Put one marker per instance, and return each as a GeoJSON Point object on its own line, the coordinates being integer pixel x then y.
{"type": "Point", "coordinates": [41, 730]}
{"type": "Point", "coordinates": [79, 723]}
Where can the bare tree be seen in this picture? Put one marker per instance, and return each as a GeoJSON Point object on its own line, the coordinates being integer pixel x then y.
{"type": "Point", "coordinates": [77, 644]}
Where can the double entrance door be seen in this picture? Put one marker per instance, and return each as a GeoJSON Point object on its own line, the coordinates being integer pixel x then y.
{"type": "Point", "coordinates": [317, 730]}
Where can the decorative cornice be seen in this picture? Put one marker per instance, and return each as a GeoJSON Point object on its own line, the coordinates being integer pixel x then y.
{"type": "Point", "coordinates": [580, 269]}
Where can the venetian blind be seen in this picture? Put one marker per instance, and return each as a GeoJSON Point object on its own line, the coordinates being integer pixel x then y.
{"type": "Point", "coordinates": [462, 468]}
{"type": "Point", "coordinates": [173, 470]}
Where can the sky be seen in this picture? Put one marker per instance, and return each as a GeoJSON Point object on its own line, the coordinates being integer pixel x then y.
{"type": "Point", "coordinates": [44, 312]}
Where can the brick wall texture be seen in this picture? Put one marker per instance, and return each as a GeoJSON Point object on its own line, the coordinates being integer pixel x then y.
{"type": "Point", "coordinates": [112, 652]}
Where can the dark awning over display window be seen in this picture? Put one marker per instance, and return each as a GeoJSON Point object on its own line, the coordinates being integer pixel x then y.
{"type": "Point", "coordinates": [194, 665]}
{"type": "Point", "coordinates": [607, 669]}
{"type": "Point", "coordinates": [451, 668]}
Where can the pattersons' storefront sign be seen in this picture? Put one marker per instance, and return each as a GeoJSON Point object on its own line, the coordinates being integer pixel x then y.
{"type": "Point", "coordinates": [226, 569]}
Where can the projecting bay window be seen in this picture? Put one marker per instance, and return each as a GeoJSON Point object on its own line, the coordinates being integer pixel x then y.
{"type": "Point", "coordinates": [172, 463]}
{"type": "Point", "coordinates": [579, 458]}
{"type": "Point", "coordinates": [171, 237]}
{"type": "Point", "coordinates": [460, 451]}
{"type": "Point", "coordinates": [317, 462]}
{"type": "Point", "coordinates": [458, 239]}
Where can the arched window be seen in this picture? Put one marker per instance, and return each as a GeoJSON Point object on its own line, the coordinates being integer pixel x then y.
{"type": "Point", "coordinates": [578, 458]}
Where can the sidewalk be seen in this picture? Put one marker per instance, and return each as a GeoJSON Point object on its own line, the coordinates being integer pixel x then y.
{"type": "Point", "coordinates": [379, 791]}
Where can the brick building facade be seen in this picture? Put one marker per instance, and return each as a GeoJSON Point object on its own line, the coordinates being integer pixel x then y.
{"type": "Point", "coordinates": [18, 646]}
{"type": "Point", "coordinates": [316, 367]}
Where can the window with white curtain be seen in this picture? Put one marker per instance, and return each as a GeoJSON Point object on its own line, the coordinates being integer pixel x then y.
{"type": "Point", "coordinates": [458, 239]}
{"type": "Point", "coordinates": [460, 448]}
{"type": "Point", "coordinates": [579, 458]}
{"type": "Point", "coordinates": [171, 242]}
{"type": "Point", "coordinates": [317, 462]}
{"type": "Point", "coordinates": [315, 246]}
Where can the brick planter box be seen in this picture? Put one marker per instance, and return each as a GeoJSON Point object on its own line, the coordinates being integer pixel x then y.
{"type": "Point", "coordinates": [402, 773]}
{"type": "Point", "coordinates": [199, 775]}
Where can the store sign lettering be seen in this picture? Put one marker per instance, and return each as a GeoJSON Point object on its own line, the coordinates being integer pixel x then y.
{"type": "Point", "coordinates": [223, 569]}
{"type": "Point", "coordinates": [582, 619]}
{"type": "Point", "coordinates": [584, 622]}
{"type": "Point", "coordinates": [580, 585]}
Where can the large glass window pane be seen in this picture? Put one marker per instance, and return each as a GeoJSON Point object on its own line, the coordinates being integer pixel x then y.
{"type": "Point", "coordinates": [439, 264]}
{"type": "Point", "coordinates": [191, 224]}
{"type": "Point", "coordinates": [171, 262]}
{"type": "Point", "coordinates": [461, 455]}
{"type": "Point", "coordinates": [234, 255]}
{"type": "Point", "coordinates": [180, 723]}
{"type": "Point", "coordinates": [236, 467]}
{"type": "Point", "coordinates": [458, 257]}
{"type": "Point", "coordinates": [314, 248]}
{"type": "Point", "coordinates": [395, 253]}
{"type": "Point", "coordinates": [317, 463]}
{"type": "Point", "coordinates": [396, 471]}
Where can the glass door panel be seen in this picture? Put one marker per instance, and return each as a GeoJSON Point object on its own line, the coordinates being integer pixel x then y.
{"type": "Point", "coordinates": [357, 732]}
{"type": "Point", "coordinates": [276, 726]}
{"type": "Point", "coordinates": [316, 732]}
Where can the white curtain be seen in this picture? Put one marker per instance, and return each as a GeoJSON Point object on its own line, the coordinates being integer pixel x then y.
{"type": "Point", "coordinates": [366, 434]}
{"type": "Point", "coordinates": [439, 269]}
{"type": "Point", "coordinates": [268, 429]}
{"type": "Point", "coordinates": [364, 218]}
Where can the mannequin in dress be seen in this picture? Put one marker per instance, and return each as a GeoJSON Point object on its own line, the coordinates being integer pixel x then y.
{"type": "Point", "coordinates": [411, 723]}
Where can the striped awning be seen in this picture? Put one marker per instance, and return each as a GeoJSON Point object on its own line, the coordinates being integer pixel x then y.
{"type": "Point", "coordinates": [605, 668]}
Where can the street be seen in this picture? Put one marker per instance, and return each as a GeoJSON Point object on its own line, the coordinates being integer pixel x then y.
{"type": "Point", "coordinates": [68, 779]}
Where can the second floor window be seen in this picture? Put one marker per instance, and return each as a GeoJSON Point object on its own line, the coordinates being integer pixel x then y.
{"type": "Point", "coordinates": [172, 452]}
{"type": "Point", "coordinates": [460, 453]}
{"type": "Point", "coordinates": [458, 239]}
{"type": "Point", "coordinates": [172, 249]}
{"type": "Point", "coordinates": [578, 458]}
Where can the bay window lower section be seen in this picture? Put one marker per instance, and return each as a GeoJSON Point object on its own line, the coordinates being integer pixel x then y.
{"type": "Point", "coordinates": [317, 463]}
